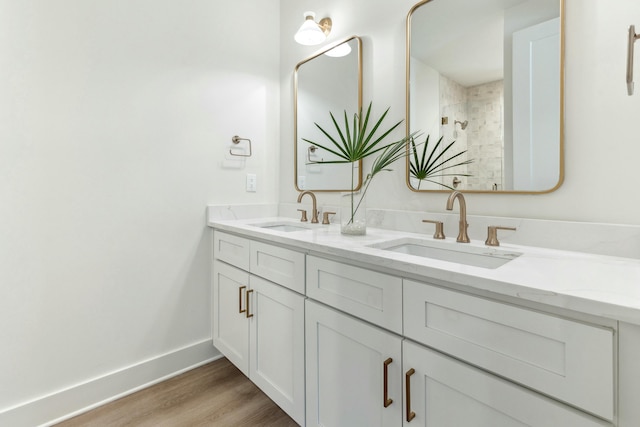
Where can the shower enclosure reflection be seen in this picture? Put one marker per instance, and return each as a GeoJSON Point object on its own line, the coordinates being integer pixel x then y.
{"type": "Point", "coordinates": [493, 85]}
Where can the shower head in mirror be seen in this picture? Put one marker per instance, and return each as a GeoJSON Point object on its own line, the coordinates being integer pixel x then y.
{"type": "Point", "coordinates": [463, 125]}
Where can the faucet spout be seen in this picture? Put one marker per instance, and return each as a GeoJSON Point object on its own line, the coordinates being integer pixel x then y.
{"type": "Point", "coordinates": [314, 214]}
{"type": "Point", "coordinates": [463, 237]}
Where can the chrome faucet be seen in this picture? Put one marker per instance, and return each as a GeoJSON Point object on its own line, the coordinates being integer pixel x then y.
{"type": "Point", "coordinates": [314, 214]}
{"type": "Point", "coordinates": [462, 233]}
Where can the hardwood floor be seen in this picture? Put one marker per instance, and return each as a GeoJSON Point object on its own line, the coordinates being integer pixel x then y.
{"type": "Point", "coordinates": [216, 394]}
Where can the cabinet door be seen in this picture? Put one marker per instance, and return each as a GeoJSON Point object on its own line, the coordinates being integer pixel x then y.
{"type": "Point", "coordinates": [345, 371]}
{"type": "Point", "coordinates": [277, 345]}
{"type": "Point", "coordinates": [230, 325]}
{"type": "Point", "coordinates": [629, 375]}
{"type": "Point", "coordinates": [443, 392]}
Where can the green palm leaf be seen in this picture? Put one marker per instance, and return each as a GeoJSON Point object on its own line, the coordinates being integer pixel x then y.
{"type": "Point", "coordinates": [425, 168]}
{"type": "Point", "coordinates": [353, 143]}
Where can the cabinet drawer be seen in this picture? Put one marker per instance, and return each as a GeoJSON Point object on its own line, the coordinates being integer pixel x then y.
{"type": "Point", "coordinates": [231, 249]}
{"type": "Point", "coordinates": [282, 266]}
{"type": "Point", "coordinates": [369, 295]}
{"type": "Point", "coordinates": [568, 360]}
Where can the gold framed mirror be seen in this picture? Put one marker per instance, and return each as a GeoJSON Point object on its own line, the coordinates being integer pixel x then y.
{"type": "Point", "coordinates": [489, 75]}
{"type": "Point", "coordinates": [328, 81]}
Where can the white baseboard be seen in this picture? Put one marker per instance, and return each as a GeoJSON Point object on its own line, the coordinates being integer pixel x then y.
{"type": "Point", "coordinates": [67, 403]}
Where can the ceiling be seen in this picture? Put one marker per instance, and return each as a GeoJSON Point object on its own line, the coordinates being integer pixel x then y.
{"type": "Point", "coordinates": [463, 40]}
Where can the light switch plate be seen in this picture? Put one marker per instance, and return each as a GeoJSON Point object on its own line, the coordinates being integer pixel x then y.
{"type": "Point", "coordinates": [251, 182]}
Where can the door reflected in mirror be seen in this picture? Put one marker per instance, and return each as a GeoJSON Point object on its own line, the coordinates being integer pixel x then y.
{"type": "Point", "coordinates": [488, 74]}
{"type": "Point", "coordinates": [329, 81]}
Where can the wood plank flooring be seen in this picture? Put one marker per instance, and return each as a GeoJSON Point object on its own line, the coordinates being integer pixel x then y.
{"type": "Point", "coordinates": [216, 394]}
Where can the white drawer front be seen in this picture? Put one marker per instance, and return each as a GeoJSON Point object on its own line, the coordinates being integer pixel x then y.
{"type": "Point", "coordinates": [369, 295]}
{"type": "Point", "coordinates": [282, 266]}
{"type": "Point", "coordinates": [231, 249]}
{"type": "Point", "coordinates": [571, 361]}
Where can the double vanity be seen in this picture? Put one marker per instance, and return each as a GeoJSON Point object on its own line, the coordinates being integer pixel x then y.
{"type": "Point", "coordinates": [397, 328]}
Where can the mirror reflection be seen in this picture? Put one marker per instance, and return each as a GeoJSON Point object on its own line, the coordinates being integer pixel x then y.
{"type": "Point", "coordinates": [330, 80]}
{"type": "Point", "coordinates": [487, 74]}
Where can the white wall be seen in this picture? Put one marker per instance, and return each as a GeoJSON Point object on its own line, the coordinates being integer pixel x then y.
{"type": "Point", "coordinates": [114, 120]}
{"type": "Point", "coordinates": [601, 128]}
{"type": "Point", "coordinates": [425, 104]}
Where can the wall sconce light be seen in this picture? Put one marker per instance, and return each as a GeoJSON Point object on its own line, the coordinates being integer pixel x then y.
{"type": "Point", "coordinates": [312, 32]}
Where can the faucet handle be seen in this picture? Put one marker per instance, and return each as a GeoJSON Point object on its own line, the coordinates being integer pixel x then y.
{"type": "Point", "coordinates": [303, 218]}
{"type": "Point", "coordinates": [492, 235]}
{"type": "Point", "coordinates": [439, 234]}
{"type": "Point", "coordinates": [325, 217]}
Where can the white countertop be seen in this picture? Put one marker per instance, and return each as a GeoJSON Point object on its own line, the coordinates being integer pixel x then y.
{"type": "Point", "coordinates": [598, 285]}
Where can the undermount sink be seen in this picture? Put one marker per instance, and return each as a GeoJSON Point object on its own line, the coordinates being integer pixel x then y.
{"type": "Point", "coordinates": [451, 252]}
{"type": "Point", "coordinates": [282, 226]}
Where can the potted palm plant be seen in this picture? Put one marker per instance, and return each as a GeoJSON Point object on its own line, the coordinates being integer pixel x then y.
{"type": "Point", "coordinates": [353, 141]}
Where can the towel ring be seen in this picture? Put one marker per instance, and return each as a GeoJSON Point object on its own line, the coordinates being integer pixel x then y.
{"type": "Point", "coordinates": [310, 150]}
{"type": "Point", "coordinates": [236, 140]}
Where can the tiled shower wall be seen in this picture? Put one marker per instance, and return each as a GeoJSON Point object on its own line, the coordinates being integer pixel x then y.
{"type": "Point", "coordinates": [482, 107]}
{"type": "Point", "coordinates": [453, 106]}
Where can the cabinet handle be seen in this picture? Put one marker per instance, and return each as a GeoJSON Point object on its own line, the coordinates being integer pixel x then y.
{"type": "Point", "coordinates": [410, 414]}
{"type": "Point", "coordinates": [248, 313]}
{"type": "Point", "coordinates": [386, 399]}
{"type": "Point", "coordinates": [240, 309]}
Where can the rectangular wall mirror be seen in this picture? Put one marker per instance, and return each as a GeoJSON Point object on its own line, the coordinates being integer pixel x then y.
{"type": "Point", "coordinates": [488, 74]}
{"type": "Point", "coordinates": [329, 81]}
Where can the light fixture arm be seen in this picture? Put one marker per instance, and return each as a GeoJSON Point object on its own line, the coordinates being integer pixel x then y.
{"type": "Point", "coordinates": [632, 39]}
{"type": "Point", "coordinates": [325, 25]}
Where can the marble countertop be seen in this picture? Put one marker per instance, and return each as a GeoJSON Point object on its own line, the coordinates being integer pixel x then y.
{"type": "Point", "coordinates": [598, 285]}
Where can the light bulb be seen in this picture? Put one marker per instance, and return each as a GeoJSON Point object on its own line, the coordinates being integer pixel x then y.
{"type": "Point", "coordinates": [310, 32]}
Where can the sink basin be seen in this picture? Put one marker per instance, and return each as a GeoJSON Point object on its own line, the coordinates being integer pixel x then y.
{"type": "Point", "coordinates": [451, 252]}
{"type": "Point", "coordinates": [283, 226]}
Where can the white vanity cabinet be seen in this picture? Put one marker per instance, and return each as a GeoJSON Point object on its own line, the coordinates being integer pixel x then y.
{"type": "Point", "coordinates": [347, 362]}
{"type": "Point", "coordinates": [348, 358]}
{"type": "Point", "coordinates": [466, 360]}
{"type": "Point", "coordinates": [340, 342]}
{"type": "Point", "coordinates": [568, 360]}
{"type": "Point", "coordinates": [258, 324]}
